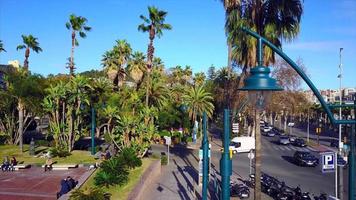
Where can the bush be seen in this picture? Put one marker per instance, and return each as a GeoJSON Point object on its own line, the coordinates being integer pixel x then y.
{"type": "Point", "coordinates": [44, 143]}
{"type": "Point", "coordinates": [3, 138]}
{"type": "Point", "coordinates": [164, 159]}
{"type": "Point", "coordinates": [189, 139]}
{"type": "Point", "coordinates": [164, 133]}
{"type": "Point", "coordinates": [89, 194]}
{"type": "Point", "coordinates": [129, 157]}
{"type": "Point", "coordinates": [59, 152]}
{"type": "Point", "coordinates": [112, 172]}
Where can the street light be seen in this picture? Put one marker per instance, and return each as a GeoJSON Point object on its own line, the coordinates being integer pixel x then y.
{"type": "Point", "coordinates": [259, 86]}
{"type": "Point", "coordinates": [327, 108]}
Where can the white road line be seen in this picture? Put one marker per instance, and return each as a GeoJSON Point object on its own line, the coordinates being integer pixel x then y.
{"type": "Point", "coordinates": [306, 149]}
{"type": "Point", "coordinates": [310, 148]}
{"type": "Point", "coordinates": [294, 148]}
{"type": "Point", "coordinates": [276, 148]}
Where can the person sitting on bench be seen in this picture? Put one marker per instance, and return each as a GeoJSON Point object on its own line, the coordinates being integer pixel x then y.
{"type": "Point", "coordinates": [13, 163]}
{"type": "Point", "coordinates": [71, 182]}
{"type": "Point", "coordinates": [48, 165]}
{"type": "Point", "coordinates": [5, 164]}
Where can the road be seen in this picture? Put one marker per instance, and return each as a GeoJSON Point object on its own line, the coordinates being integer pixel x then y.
{"type": "Point", "coordinates": [178, 180]}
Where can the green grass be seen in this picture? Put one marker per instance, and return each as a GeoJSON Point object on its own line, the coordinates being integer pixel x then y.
{"type": "Point", "coordinates": [122, 192]}
{"type": "Point", "coordinates": [77, 157]}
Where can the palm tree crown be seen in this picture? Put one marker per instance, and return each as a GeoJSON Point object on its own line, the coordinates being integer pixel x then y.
{"type": "Point", "coordinates": [2, 47]}
{"type": "Point", "coordinates": [76, 24]}
{"type": "Point", "coordinates": [29, 42]}
{"type": "Point", "coordinates": [198, 101]}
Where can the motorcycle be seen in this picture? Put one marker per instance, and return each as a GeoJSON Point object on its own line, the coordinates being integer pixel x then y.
{"type": "Point", "coordinates": [322, 196]}
{"type": "Point", "coordinates": [239, 190]}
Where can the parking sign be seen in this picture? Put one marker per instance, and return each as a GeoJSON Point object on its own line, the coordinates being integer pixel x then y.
{"type": "Point", "coordinates": [328, 161]}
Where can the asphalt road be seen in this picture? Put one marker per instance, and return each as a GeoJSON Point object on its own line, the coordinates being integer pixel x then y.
{"type": "Point", "coordinates": [276, 161]}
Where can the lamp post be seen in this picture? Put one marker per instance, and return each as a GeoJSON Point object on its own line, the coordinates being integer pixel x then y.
{"type": "Point", "coordinates": [339, 171]}
{"type": "Point", "coordinates": [92, 130]}
{"type": "Point", "coordinates": [254, 85]}
{"type": "Point", "coordinates": [259, 86]}
{"type": "Point", "coordinates": [205, 147]}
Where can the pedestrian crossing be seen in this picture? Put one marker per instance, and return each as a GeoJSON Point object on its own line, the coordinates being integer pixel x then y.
{"type": "Point", "coordinates": [291, 148]}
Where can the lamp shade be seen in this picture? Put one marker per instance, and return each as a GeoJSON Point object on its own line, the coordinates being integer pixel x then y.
{"type": "Point", "coordinates": [259, 80]}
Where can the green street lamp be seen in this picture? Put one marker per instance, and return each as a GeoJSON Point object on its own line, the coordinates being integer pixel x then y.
{"type": "Point", "coordinates": [259, 83]}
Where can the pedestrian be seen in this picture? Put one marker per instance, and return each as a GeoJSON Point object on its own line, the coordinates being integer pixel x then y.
{"type": "Point", "coordinates": [13, 163]}
{"type": "Point", "coordinates": [64, 188]}
{"type": "Point", "coordinates": [5, 164]}
{"type": "Point", "coordinates": [48, 165]}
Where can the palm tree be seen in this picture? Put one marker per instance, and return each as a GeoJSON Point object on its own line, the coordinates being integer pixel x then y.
{"type": "Point", "coordinates": [29, 42]}
{"type": "Point", "coordinates": [154, 24]}
{"type": "Point", "coordinates": [76, 24]}
{"type": "Point", "coordinates": [198, 101]}
{"type": "Point", "coordinates": [274, 20]}
{"type": "Point", "coordinates": [136, 66]}
{"type": "Point", "coordinates": [199, 79]}
{"type": "Point", "coordinates": [2, 47]}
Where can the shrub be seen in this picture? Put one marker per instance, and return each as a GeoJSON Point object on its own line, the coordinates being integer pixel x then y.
{"type": "Point", "coordinates": [189, 139]}
{"type": "Point", "coordinates": [164, 133]}
{"type": "Point", "coordinates": [89, 194]}
{"type": "Point", "coordinates": [44, 143]}
{"type": "Point", "coordinates": [129, 157]}
{"type": "Point", "coordinates": [112, 172]}
{"type": "Point", "coordinates": [164, 159]}
{"type": "Point", "coordinates": [59, 152]}
{"type": "Point", "coordinates": [3, 138]}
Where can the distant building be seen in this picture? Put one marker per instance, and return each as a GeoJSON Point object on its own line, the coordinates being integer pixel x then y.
{"type": "Point", "coordinates": [332, 96]}
{"type": "Point", "coordinates": [4, 69]}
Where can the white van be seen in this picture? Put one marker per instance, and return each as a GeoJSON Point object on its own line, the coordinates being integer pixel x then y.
{"type": "Point", "coordinates": [242, 144]}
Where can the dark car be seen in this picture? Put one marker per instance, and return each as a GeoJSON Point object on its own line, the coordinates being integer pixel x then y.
{"type": "Point", "coordinates": [303, 158]}
{"type": "Point", "coordinates": [299, 142]}
{"type": "Point", "coordinates": [334, 143]}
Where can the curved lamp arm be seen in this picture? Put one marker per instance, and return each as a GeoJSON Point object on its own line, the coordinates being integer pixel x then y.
{"type": "Point", "coordinates": [302, 74]}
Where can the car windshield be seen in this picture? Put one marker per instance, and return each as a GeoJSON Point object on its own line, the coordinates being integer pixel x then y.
{"type": "Point", "coordinates": [284, 137]}
{"type": "Point", "coordinates": [300, 140]}
{"type": "Point", "coordinates": [307, 155]}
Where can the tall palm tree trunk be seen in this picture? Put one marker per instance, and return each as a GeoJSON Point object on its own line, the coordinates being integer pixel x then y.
{"type": "Point", "coordinates": [21, 122]}
{"type": "Point", "coordinates": [71, 68]}
{"type": "Point", "coordinates": [150, 52]}
{"type": "Point", "coordinates": [257, 156]}
{"type": "Point", "coordinates": [25, 63]}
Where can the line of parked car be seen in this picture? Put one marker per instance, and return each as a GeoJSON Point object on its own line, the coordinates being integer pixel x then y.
{"type": "Point", "coordinates": [271, 186]}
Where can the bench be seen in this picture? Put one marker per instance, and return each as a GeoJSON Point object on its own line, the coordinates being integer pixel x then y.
{"type": "Point", "coordinates": [21, 166]}
{"type": "Point", "coordinates": [62, 166]}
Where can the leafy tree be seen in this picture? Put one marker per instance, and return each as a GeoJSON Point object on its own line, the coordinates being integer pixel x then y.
{"type": "Point", "coordinates": [154, 25]}
{"type": "Point", "coordinates": [94, 193]}
{"type": "Point", "coordinates": [2, 47]}
{"type": "Point", "coordinates": [129, 157]}
{"type": "Point", "coordinates": [198, 101]}
{"type": "Point", "coordinates": [29, 42]}
{"type": "Point", "coordinates": [199, 79]}
{"type": "Point", "coordinates": [136, 66]}
{"type": "Point", "coordinates": [77, 24]}
{"type": "Point", "coordinates": [113, 172]}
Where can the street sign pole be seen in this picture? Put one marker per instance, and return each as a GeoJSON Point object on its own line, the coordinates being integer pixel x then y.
{"type": "Point", "coordinates": [205, 146]}
{"type": "Point", "coordinates": [168, 155]}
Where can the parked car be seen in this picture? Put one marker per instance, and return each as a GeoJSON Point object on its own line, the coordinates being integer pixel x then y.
{"type": "Point", "coordinates": [292, 138]}
{"type": "Point", "coordinates": [303, 158]}
{"type": "Point", "coordinates": [242, 144]}
{"type": "Point", "coordinates": [283, 139]}
{"type": "Point", "coordinates": [271, 134]}
{"type": "Point", "coordinates": [299, 142]}
{"type": "Point", "coordinates": [334, 143]}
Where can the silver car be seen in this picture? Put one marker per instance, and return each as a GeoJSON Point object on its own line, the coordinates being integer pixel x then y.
{"type": "Point", "coordinates": [283, 139]}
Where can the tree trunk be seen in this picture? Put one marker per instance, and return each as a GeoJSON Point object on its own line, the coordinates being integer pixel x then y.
{"type": "Point", "coordinates": [71, 132]}
{"type": "Point", "coordinates": [21, 122]}
{"type": "Point", "coordinates": [150, 52]}
{"type": "Point", "coordinates": [257, 157]}
{"type": "Point", "coordinates": [27, 54]}
{"type": "Point", "coordinates": [71, 68]}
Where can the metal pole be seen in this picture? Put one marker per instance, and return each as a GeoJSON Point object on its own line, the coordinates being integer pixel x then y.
{"type": "Point", "coordinates": [339, 170]}
{"type": "Point", "coordinates": [205, 145]}
{"type": "Point", "coordinates": [167, 154]}
{"type": "Point", "coordinates": [225, 161]}
{"type": "Point", "coordinates": [352, 159]}
{"type": "Point", "coordinates": [92, 130]}
{"type": "Point", "coordinates": [308, 129]}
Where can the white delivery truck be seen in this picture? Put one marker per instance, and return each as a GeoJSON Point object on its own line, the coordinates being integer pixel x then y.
{"type": "Point", "coordinates": [242, 144]}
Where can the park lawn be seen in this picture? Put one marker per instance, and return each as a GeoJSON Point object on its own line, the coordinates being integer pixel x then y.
{"type": "Point", "coordinates": [76, 157]}
{"type": "Point", "coordinates": [122, 192]}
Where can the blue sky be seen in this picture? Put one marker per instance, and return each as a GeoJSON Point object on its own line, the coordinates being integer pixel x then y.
{"type": "Point", "coordinates": [197, 38]}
